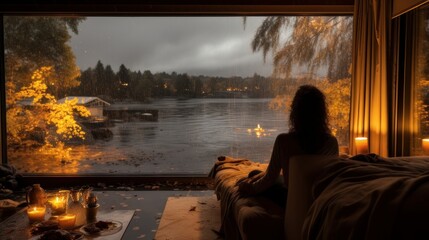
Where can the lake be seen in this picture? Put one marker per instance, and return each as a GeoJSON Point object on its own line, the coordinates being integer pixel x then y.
{"type": "Point", "coordinates": [187, 138]}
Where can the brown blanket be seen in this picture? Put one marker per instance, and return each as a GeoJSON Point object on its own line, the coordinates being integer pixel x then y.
{"type": "Point", "coordinates": [370, 198]}
{"type": "Point", "coordinates": [244, 217]}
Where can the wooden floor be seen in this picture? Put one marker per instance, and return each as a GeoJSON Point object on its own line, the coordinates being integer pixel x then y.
{"type": "Point", "coordinates": [190, 218]}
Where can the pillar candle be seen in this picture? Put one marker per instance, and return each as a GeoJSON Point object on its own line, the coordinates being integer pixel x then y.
{"type": "Point", "coordinates": [425, 146]}
{"type": "Point", "coordinates": [361, 145]}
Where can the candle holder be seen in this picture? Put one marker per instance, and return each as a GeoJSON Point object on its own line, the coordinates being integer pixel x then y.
{"type": "Point", "coordinates": [361, 145]}
{"type": "Point", "coordinates": [59, 202]}
{"type": "Point", "coordinates": [36, 213]}
{"type": "Point", "coordinates": [91, 213]}
{"type": "Point", "coordinates": [67, 221]}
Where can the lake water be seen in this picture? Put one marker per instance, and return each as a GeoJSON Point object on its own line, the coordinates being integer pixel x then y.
{"type": "Point", "coordinates": [187, 138]}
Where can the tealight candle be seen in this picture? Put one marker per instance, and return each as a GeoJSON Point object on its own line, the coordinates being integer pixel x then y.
{"type": "Point", "coordinates": [361, 145]}
{"type": "Point", "coordinates": [58, 205]}
{"type": "Point", "coordinates": [67, 221]}
{"type": "Point", "coordinates": [36, 213]}
{"type": "Point", "coordinates": [425, 146]}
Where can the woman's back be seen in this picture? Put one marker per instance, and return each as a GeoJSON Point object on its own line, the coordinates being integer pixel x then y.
{"type": "Point", "coordinates": [290, 144]}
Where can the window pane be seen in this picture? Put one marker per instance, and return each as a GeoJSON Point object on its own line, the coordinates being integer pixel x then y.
{"type": "Point", "coordinates": [157, 95]}
{"type": "Point", "coordinates": [422, 81]}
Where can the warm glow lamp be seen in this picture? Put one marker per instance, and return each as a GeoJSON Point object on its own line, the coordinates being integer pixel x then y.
{"type": "Point", "coordinates": [425, 146]}
{"type": "Point", "coordinates": [361, 145]}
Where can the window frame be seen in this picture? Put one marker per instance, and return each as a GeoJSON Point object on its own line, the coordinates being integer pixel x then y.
{"type": "Point", "coordinates": [132, 8]}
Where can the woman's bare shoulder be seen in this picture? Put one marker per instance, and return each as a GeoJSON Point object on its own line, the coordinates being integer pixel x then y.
{"type": "Point", "coordinates": [287, 137]}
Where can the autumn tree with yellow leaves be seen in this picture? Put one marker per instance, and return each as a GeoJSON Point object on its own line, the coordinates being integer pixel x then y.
{"type": "Point", "coordinates": [35, 119]}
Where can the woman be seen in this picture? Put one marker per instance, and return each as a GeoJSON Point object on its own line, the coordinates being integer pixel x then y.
{"type": "Point", "coordinates": [308, 134]}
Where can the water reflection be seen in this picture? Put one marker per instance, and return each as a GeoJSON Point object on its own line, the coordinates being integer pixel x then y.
{"type": "Point", "coordinates": [187, 138]}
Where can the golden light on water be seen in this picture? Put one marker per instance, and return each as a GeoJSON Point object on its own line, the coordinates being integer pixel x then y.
{"type": "Point", "coordinates": [259, 131]}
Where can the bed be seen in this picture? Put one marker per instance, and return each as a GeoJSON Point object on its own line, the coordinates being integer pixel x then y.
{"type": "Point", "coordinates": [255, 217]}
{"type": "Point", "coordinates": [363, 197]}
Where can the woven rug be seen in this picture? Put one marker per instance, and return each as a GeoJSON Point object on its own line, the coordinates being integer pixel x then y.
{"type": "Point", "coordinates": [189, 218]}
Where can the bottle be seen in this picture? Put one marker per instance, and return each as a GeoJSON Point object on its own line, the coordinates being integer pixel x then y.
{"type": "Point", "coordinates": [36, 195]}
{"type": "Point", "coordinates": [76, 208]}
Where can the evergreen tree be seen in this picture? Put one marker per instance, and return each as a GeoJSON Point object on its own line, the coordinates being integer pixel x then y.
{"type": "Point", "coordinates": [87, 82]}
{"type": "Point", "coordinates": [183, 85]}
{"type": "Point", "coordinates": [198, 87]}
{"type": "Point", "coordinates": [100, 85]}
{"type": "Point", "coordinates": [111, 82]}
{"type": "Point", "coordinates": [124, 79]}
{"type": "Point", "coordinates": [148, 84]}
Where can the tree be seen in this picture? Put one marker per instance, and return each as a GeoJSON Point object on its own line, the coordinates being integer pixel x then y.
{"type": "Point", "coordinates": [149, 84]}
{"type": "Point", "coordinates": [124, 82]}
{"type": "Point", "coordinates": [100, 85]}
{"type": "Point", "coordinates": [183, 85]}
{"type": "Point", "coordinates": [33, 42]}
{"type": "Point", "coordinates": [198, 87]}
{"type": "Point", "coordinates": [87, 82]}
{"type": "Point", "coordinates": [338, 99]}
{"type": "Point", "coordinates": [136, 85]}
{"type": "Point", "coordinates": [313, 42]}
{"type": "Point", "coordinates": [44, 122]}
{"type": "Point", "coordinates": [422, 78]}
{"type": "Point", "coordinates": [319, 45]}
{"type": "Point", "coordinates": [111, 82]}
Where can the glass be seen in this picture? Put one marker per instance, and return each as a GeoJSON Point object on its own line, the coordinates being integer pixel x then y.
{"type": "Point", "coordinates": [36, 213]}
{"type": "Point", "coordinates": [75, 195]}
{"type": "Point", "coordinates": [67, 221]}
{"type": "Point", "coordinates": [58, 202]}
{"type": "Point", "coordinates": [86, 192]}
{"type": "Point", "coordinates": [163, 95]}
{"type": "Point", "coordinates": [421, 74]}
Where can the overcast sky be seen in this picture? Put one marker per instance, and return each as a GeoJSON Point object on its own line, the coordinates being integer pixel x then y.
{"type": "Point", "coordinates": [214, 46]}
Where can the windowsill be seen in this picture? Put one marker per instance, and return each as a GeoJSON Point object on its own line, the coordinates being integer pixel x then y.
{"type": "Point", "coordinates": [124, 182]}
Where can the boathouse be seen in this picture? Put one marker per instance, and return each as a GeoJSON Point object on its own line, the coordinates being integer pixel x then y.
{"type": "Point", "coordinates": [95, 105]}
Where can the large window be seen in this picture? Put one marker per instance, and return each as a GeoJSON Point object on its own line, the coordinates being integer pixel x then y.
{"type": "Point", "coordinates": [421, 79]}
{"type": "Point", "coordinates": [164, 95]}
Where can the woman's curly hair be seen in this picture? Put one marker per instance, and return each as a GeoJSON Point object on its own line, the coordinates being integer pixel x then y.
{"type": "Point", "coordinates": [309, 117]}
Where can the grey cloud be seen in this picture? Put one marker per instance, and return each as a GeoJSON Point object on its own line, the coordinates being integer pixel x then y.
{"type": "Point", "coordinates": [217, 46]}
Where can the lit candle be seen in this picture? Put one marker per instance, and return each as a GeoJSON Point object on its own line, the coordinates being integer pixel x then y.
{"type": "Point", "coordinates": [361, 145]}
{"type": "Point", "coordinates": [425, 146]}
{"type": "Point", "coordinates": [36, 214]}
{"type": "Point", "coordinates": [58, 205]}
{"type": "Point", "coordinates": [67, 221]}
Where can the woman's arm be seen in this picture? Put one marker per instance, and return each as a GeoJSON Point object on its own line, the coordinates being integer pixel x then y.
{"type": "Point", "coordinates": [270, 176]}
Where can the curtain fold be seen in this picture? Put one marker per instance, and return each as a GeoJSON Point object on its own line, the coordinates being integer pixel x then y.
{"type": "Point", "coordinates": [404, 121]}
{"type": "Point", "coordinates": [369, 91]}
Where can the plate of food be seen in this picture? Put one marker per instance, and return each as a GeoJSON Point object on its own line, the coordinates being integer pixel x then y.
{"type": "Point", "coordinates": [43, 227]}
{"type": "Point", "coordinates": [101, 228]}
{"type": "Point", "coordinates": [59, 234]}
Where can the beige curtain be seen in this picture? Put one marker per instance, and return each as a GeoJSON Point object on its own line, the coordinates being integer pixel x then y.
{"type": "Point", "coordinates": [369, 106]}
